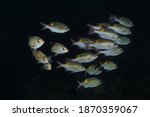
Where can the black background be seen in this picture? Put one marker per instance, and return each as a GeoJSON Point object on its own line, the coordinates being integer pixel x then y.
{"type": "Point", "coordinates": [22, 78]}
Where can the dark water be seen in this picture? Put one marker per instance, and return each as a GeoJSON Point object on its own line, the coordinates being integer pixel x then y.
{"type": "Point", "coordinates": [22, 78]}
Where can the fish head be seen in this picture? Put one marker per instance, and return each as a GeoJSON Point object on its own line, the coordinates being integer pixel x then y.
{"type": "Point", "coordinates": [40, 41]}
{"type": "Point", "coordinates": [63, 50]}
{"type": "Point", "coordinates": [48, 66]}
{"type": "Point", "coordinates": [128, 31]}
{"type": "Point", "coordinates": [44, 60]}
{"type": "Point", "coordinates": [99, 82]}
{"type": "Point", "coordinates": [82, 68]}
{"type": "Point", "coordinates": [95, 56]}
{"type": "Point", "coordinates": [113, 45]}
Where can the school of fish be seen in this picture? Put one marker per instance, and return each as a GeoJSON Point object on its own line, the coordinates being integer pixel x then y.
{"type": "Point", "coordinates": [110, 36]}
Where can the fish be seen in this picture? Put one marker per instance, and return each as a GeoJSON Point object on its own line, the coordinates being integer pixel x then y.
{"type": "Point", "coordinates": [89, 83]}
{"type": "Point", "coordinates": [104, 33]}
{"type": "Point", "coordinates": [103, 44]}
{"type": "Point", "coordinates": [93, 70]}
{"type": "Point", "coordinates": [56, 27]}
{"type": "Point", "coordinates": [41, 57]}
{"type": "Point", "coordinates": [82, 43]}
{"type": "Point", "coordinates": [35, 42]}
{"type": "Point", "coordinates": [47, 66]}
{"type": "Point", "coordinates": [123, 40]}
{"type": "Point", "coordinates": [71, 66]}
{"type": "Point", "coordinates": [85, 57]}
{"type": "Point", "coordinates": [122, 20]}
{"type": "Point", "coordinates": [109, 65]}
{"type": "Point", "coordinates": [112, 52]}
{"type": "Point", "coordinates": [120, 29]}
{"type": "Point", "coordinates": [59, 48]}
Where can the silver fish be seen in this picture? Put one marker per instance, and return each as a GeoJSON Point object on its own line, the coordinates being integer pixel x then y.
{"type": "Point", "coordinates": [120, 29]}
{"type": "Point", "coordinates": [47, 66]}
{"type": "Point", "coordinates": [109, 65]}
{"type": "Point", "coordinates": [90, 83]}
{"type": "Point", "coordinates": [122, 40]}
{"type": "Point", "coordinates": [103, 44]}
{"type": "Point", "coordinates": [59, 48]}
{"type": "Point", "coordinates": [35, 42]}
{"type": "Point", "coordinates": [104, 33]}
{"type": "Point", "coordinates": [85, 57]}
{"type": "Point", "coordinates": [112, 52]}
{"type": "Point", "coordinates": [93, 70]}
{"type": "Point", "coordinates": [41, 57]}
{"type": "Point", "coordinates": [72, 66]}
{"type": "Point", "coordinates": [56, 27]}
{"type": "Point", "coordinates": [122, 20]}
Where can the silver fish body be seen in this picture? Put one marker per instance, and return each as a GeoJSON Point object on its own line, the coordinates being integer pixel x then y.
{"type": "Point", "coordinates": [41, 57]}
{"type": "Point", "coordinates": [85, 57]}
{"type": "Point", "coordinates": [120, 29]}
{"type": "Point", "coordinates": [35, 42]}
{"type": "Point", "coordinates": [90, 83]}
{"type": "Point", "coordinates": [123, 40]}
{"type": "Point", "coordinates": [72, 66]}
{"type": "Point", "coordinates": [56, 27]}
{"type": "Point", "coordinates": [122, 20]}
{"type": "Point", "coordinates": [103, 44]}
{"type": "Point", "coordinates": [112, 52]}
{"type": "Point", "coordinates": [109, 65]}
{"type": "Point", "coordinates": [47, 66]}
{"type": "Point", "coordinates": [59, 48]}
{"type": "Point", "coordinates": [93, 70]}
{"type": "Point", "coordinates": [107, 34]}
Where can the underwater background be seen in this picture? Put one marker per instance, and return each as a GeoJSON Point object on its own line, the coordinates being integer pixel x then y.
{"type": "Point", "coordinates": [22, 77]}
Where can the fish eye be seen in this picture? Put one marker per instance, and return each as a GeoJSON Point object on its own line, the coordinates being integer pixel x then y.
{"type": "Point", "coordinates": [62, 49]}
{"type": "Point", "coordinates": [44, 59]}
{"type": "Point", "coordinates": [39, 41]}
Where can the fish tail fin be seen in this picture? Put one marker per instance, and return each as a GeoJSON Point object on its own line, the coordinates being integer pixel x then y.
{"type": "Point", "coordinates": [44, 26]}
{"type": "Point", "coordinates": [92, 30]}
{"type": "Point", "coordinates": [79, 85]}
{"type": "Point", "coordinates": [112, 18]}
{"type": "Point", "coordinates": [73, 42]}
{"type": "Point", "coordinates": [59, 64]}
{"type": "Point", "coordinates": [101, 65]}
